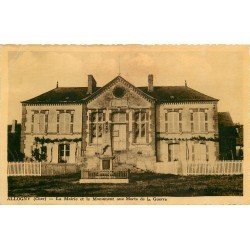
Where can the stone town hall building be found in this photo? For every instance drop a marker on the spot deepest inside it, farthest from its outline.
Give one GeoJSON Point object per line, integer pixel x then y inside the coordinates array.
{"type": "Point", "coordinates": [115, 124]}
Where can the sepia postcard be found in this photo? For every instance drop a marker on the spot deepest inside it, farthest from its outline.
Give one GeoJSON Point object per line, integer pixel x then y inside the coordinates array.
{"type": "Point", "coordinates": [124, 124]}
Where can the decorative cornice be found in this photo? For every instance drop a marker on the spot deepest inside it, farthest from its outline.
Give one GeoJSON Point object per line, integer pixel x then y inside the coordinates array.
{"type": "Point", "coordinates": [185, 102]}
{"type": "Point", "coordinates": [52, 104]}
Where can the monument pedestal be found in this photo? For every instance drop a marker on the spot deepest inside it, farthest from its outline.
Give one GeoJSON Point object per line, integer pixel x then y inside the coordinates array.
{"type": "Point", "coordinates": [106, 163]}
{"type": "Point", "coordinates": [106, 157]}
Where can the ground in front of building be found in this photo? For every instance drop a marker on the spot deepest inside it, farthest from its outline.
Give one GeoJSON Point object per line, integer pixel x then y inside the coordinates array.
{"type": "Point", "coordinates": [140, 184]}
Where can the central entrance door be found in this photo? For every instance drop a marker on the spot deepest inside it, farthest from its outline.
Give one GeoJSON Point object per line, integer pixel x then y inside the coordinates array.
{"type": "Point", "coordinates": [119, 137]}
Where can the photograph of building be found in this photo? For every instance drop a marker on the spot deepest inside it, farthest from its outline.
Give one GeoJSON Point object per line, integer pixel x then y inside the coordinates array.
{"type": "Point", "coordinates": [123, 121]}
{"type": "Point", "coordinates": [111, 125]}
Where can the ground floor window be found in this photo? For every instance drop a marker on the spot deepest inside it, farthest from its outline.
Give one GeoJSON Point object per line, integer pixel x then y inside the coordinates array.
{"type": "Point", "coordinates": [173, 152]}
{"type": "Point", "coordinates": [200, 152]}
{"type": "Point", "coordinates": [63, 153]}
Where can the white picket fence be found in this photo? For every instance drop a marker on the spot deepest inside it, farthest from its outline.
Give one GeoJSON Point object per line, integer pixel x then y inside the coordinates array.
{"type": "Point", "coordinates": [177, 168]}
{"type": "Point", "coordinates": [194, 168]}
{"type": "Point", "coordinates": [215, 168]}
{"type": "Point", "coordinates": [24, 169]}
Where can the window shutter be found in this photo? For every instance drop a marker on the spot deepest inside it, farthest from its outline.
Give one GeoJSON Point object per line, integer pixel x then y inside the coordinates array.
{"type": "Point", "coordinates": [207, 153]}
{"type": "Point", "coordinates": [193, 152]}
{"type": "Point", "coordinates": [36, 123]}
{"type": "Point", "coordinates": [176, 122]}
{"type": "Point", "coordinates": [147, 132]}
{"type": "Point", "coordinates": [202, 121]}
{"type": "Point", "coordinates": [41, 123]}
{"type": "Point", "coordinates": [67, 122]}
{"type": "Point", "coordinates": [196, 121]}
{"type": "Point", "coordinates": [170, 122]}
{"type": "Point", "coordinates": [62, 123]}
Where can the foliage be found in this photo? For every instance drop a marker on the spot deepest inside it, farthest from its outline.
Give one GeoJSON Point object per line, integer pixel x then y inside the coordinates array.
{"type": "Point", "coordinates": [48, 140]}
{"type": "Point", "coordinates": [199, 138]}
{"type": "Point", "coordinates": [40, 154]}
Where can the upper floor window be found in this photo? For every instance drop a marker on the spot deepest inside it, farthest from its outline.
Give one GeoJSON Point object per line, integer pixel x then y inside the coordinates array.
{"type": "Point", "coordinates": [199, 120]}
{"type": "Point", "coordinates": [97, 120]}
{"type": "Point", "coordinates": [173, 121]}
{"type": "Point", "coordinates": [65, 121]}
{"type": "Point", "coordinates": [39, 121]}
{"type": "Point", "coordinates": [140, 121]}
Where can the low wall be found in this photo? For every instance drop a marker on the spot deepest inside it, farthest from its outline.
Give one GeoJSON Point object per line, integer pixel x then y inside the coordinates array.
{"type": "Point", "coordinates": [59, 169]}
{"type": "Point", "coordinates": [169, 168]}
{"type": "Point", "coordinates": [161, 167]}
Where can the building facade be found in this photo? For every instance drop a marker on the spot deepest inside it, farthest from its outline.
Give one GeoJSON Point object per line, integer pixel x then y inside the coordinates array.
{"type": "Point", "coordinates": [114, 125]}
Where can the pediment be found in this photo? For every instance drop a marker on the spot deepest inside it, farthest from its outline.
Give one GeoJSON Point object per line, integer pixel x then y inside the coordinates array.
{"type": "Point", "coordinates": [119, 93]}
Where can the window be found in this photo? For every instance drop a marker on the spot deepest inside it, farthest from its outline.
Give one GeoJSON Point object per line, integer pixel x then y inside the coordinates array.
{"type": "Point", "coordinates": [140, 121]}
{"type": "Point", "coordinates": [199, 120]}
{"type": "Point", "coordinates": [119, 92]}
{"type": "Point", "coordinates": [65, 121]}
{"type": "Point", "coordinates": [118, 117]}
{"type": "Point", "coordinates": [39, 122]}
{"type": "Point", "coordinates": [63, 153]}
{"type": "Point", "coordinates": [97, 120]}
{"type": "Point", "coordinates": [173, 121]}
{"type": "Point", "coordinates": [173, 152]}
{"type": "Point", "coordinates": [200, 152]}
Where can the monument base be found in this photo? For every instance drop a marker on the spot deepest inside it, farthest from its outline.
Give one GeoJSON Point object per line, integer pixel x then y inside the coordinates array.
{"type": "Point", "coordinates": [103, 181]}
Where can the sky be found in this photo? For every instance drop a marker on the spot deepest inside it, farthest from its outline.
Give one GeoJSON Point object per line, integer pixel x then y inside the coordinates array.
{"type": "Point", "coordinates": [213, 70]}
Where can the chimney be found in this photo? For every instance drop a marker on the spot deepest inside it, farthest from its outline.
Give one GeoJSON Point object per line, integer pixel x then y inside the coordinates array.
{"type": "Point", "coordinates": [13, 126]}
{"type": "Point", "coordinates": [150, 83]}
{"type": "Point", "coordinates": [91, 84]}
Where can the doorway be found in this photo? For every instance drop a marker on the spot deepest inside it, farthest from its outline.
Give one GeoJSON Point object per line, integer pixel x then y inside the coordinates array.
{"type": "Point", "coordinates": [119, 137]}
